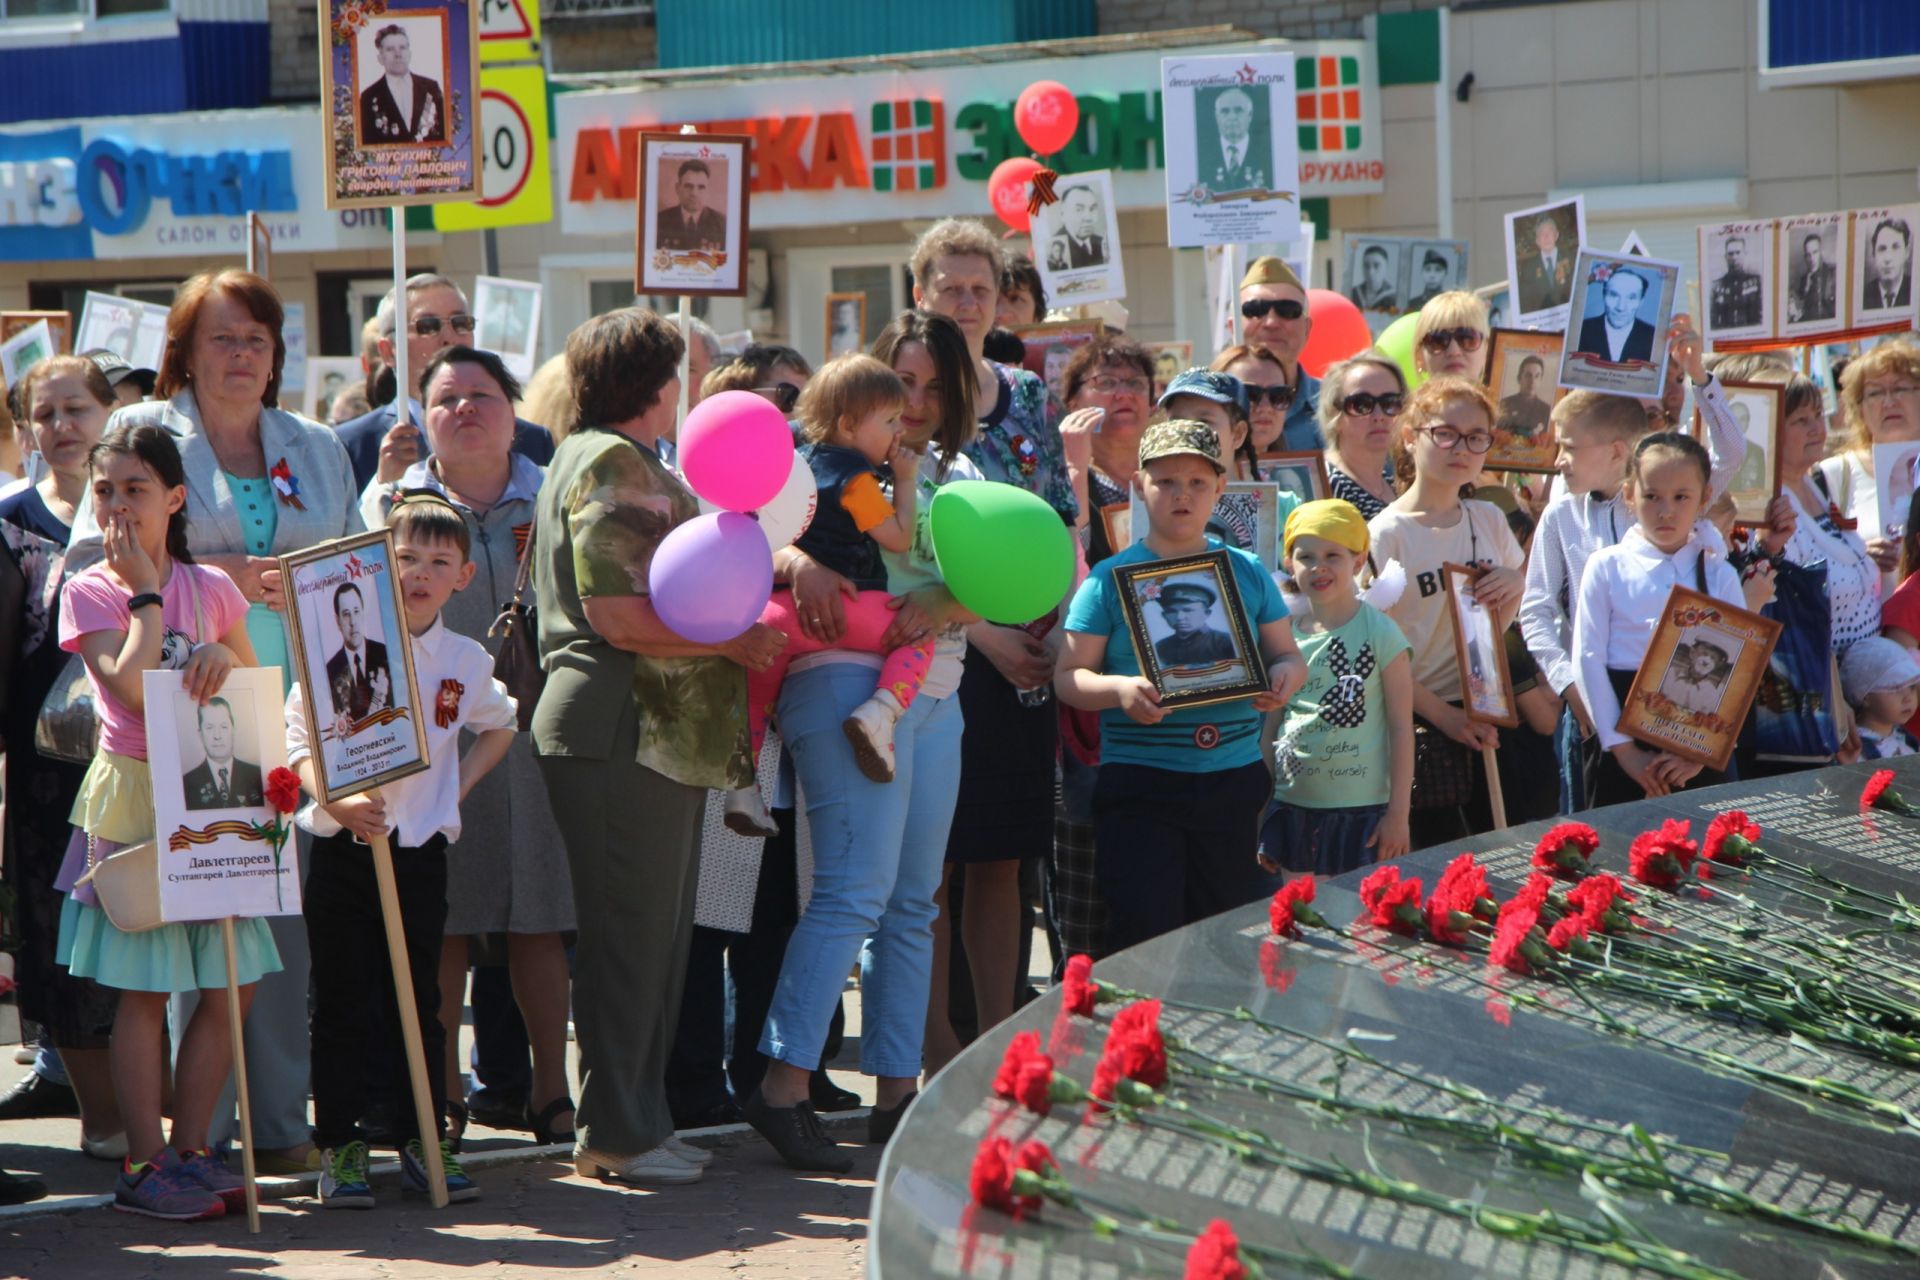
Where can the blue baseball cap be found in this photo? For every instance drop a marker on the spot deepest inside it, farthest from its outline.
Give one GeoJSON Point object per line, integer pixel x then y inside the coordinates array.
{"type": "Point", "coordinates": [1221, 388]}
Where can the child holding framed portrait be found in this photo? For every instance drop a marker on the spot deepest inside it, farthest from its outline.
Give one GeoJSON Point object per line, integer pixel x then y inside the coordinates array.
{"type": "Point", "coordinates": [1182, 644]}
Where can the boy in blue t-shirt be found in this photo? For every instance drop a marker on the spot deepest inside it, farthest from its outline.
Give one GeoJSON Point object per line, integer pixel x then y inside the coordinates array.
{"type": "Point", "coordinates": [1176, 812]}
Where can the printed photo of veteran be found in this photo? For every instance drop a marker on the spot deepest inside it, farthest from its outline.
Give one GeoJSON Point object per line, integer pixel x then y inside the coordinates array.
{"type": "Point", "coordinates": [1814, 280]}
{"type": "Point", "coordinates": [1231, 139]}
{"type": "Point", "coordinates": [1546, 277]}
{"type": "Point", "coordinates": [1736, 300]}
{"type": "Point", "coordinates": [1434, 268]}
{"type": "Point", "coordinates": [688, 223]}
{"type": "Point", "coordinates": [1888, 280]}
{"type": "Point", "coordinates": [1078, 242]}
{"type": "Point", "coordinates": [1374, 290]}
{"type": "Point", "coordinates": [400, 108]}
{"type": "Point", "coordinates": [1618, 334]}
{"type": "Point", "coordinates": [221, 781]}
{"type": "Point", "coordinates": [1187, 607]}
{"type": "Point", "coordinates": [1524, 412]}
{"type": "Point", "coordinates": [357, 675]}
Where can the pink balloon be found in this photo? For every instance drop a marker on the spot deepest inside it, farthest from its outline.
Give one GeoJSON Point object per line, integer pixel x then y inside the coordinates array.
{"type": "Point", "coordinates": [711, 577]}
{"type": "Point", "coordinates": [1008, 188]}
{"type": "Point", "coordinates": [1339, 331]}
{"type": "Point", "coordinates": [736, 450]}
{"type": "Point", "coordinates": [1046, 116]}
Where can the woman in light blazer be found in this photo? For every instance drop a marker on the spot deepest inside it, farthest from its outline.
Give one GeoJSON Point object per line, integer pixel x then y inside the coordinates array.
{"type": "Point", "coordinates": [260, 481]}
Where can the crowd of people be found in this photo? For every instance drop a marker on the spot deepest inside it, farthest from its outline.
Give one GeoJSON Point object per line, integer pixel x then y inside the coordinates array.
{"type": "Point", "coordinates": [901, 786]}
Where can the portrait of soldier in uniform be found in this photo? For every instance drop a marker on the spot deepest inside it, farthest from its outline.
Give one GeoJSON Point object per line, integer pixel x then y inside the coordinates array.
{"type": "Point", "coordinates": [1736, 301]}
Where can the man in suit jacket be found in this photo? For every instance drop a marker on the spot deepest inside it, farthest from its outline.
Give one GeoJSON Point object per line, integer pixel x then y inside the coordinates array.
{"type": "Point", "coordinates": [437, 317]}
{"type": "Point", "coordinates": [401, 108]}
{"type": "Point", "coordinates": [1076, 244]}
{"type": "Point", "coordinates": [221, 781]}
{"type": "Point", "coordinates": [1889, 281]}
{"type": "Point", "coordinates": [1814, 296]}
{"type": "Point", "coordinates": [357, 674]}
{"type": "Point", "coordinates": [690, 224]}
{"type": "Point", "coordinates": [1234, 154]}
{"type": "Point", "coordinates": [1617, 334]}
{"type": "Point", "coordinates": [1546, 279]}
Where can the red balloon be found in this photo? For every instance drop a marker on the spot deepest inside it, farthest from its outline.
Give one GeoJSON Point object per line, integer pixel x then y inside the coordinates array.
{"type": "Point", "coordinates": [1339, 330]}
{"type": "Point", "coordinates": [1046, 115]}
{"type": "Point", "coordinates": [1009, 188]}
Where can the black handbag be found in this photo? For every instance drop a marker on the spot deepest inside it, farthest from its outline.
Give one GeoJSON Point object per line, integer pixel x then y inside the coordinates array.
{"type": "Point", "coordinates": [1442, 769]}
{"type": "Point", "coordinates": [517, 664]}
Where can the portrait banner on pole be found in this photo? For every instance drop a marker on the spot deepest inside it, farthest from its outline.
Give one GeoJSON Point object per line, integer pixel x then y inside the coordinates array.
{"type": "Point", "coordinates": [399, 79]}
{"type": "Point", "coordinates": [1232, 151]}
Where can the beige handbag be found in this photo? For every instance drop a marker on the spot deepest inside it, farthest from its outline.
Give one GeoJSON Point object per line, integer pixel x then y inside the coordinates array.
{"type": "Point", "coordinates": [127, 882]}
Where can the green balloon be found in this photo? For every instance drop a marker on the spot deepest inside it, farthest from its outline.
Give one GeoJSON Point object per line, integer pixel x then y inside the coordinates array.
{"type": "Point", "coordinates": [1003, 552]}
{"type": "Point", "coordinates": [1397, 341]}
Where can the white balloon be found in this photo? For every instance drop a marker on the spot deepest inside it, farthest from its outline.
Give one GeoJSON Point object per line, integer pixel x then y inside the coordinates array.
{"type": "Point", "coordinates": [791, 511]}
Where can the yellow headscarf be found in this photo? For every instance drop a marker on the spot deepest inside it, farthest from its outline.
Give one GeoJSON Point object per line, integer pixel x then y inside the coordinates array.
{"type": "Point", "coordinates": [1335, 519]}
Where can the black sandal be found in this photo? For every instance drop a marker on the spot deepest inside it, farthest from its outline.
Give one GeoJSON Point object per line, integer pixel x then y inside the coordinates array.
{"type": "Point", "coordinates": [542, 1125]}
{"type": "Point", "coordinates": [456, 1113]}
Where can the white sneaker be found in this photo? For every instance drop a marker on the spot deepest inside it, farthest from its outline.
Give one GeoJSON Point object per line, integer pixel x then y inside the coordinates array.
{"type": "Point", "coordinates": [746, 814]}
{"type": "Point", "coordinates": [111, 1147]}
{"type": "Point", "coordinates": [870, 730]}
{"type": "Point", "coordinates": [699, 1157]}
{"type": "Point", "coordinates": [658, 1167]}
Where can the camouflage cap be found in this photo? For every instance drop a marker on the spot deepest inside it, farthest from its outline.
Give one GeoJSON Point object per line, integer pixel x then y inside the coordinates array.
{"type": "Point", "coordinates": [1179, 436]}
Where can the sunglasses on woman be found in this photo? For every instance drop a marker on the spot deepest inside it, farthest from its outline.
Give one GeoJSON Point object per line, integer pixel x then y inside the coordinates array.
{"type": "Point", "coordinates": [783, 394]}
{"type": "Point", "coordinates": [1468, 340]}
{"type": "Point", "coordinates": [1363, 404]}
{"type": "Point", "coordinates": [1279, 397]}
{"type": "Point", "coordinates": [1286, 308]}
{"type": "Point", "coordinates": [427, 326]}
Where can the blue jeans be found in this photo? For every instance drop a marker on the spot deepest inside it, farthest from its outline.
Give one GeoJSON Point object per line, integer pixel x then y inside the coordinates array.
{"type": "Point", "coordinates": [878, 851]}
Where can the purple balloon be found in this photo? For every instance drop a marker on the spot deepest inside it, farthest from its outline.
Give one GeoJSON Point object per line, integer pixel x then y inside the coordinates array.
{"type": "Point", "coordinates": [712, 577]}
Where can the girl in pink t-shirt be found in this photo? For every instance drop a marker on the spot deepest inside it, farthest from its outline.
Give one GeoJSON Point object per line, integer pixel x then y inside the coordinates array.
{"type": "Point", "coordinates": [147, 609]}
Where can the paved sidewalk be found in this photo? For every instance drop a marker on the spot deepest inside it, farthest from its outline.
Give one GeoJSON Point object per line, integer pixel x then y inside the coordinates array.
{"type": "Point", "coordinates": [750, 1217]}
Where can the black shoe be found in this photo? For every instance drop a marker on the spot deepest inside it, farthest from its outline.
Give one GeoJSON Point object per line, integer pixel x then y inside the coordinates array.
{"type": "Point", "coordinates": [726, 1111]}
{"type": "Point", "coordinates": [541, 1125]}
{"type": "Point", "coordinates": [796, 1134]}
{"type": "Point", "coordinates": [498, 1108]}
{"type": "Point", "coordinates": [15, 1189]}
{"type": "Point", "coordinates": [825, 1095]}
{"type": "Point", "coordinates": [36, 1098]}
{"type": "Point", "coordinates": [882, 1121]}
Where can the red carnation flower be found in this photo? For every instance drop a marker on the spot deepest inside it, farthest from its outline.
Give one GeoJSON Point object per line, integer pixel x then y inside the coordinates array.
{"type": "Point", "coordinates": [1393, 903]}
{"type": "Point", "coordinates": [1289, 909]}
{"type": "Point", "coordinates": [1567, 931]}
{"type": "Point", "coordinates": [1600, 900]}
{"type": "Point", "coordinates": [1662, 858]}
{"type": "Point", "coordinates": [283, 789]}
{"type": "Point", "coordinates": [1026, 1074]}
{"type": "Point", "coordinates": [1078, 990]}
{"type": "Point", "coordinates": [1566, 850]}
{"type": "Point", "coordinates": [1879, 794]}
{"type": "Point", "coordinates": [1135, 1051]}
{"type": "Point", "coordinates": [1215, 1254]}
{"type": "Point", "coordinates": [1450, 912]}
{"type": "Point", "coordinates": [1515, 945]}
{"type": "Point", "coordinates": [1732, 838]}
{"type": "Point", "coordinates": [1474, 887]}
{"type": "Point", "coordinates": [1001, 1181]}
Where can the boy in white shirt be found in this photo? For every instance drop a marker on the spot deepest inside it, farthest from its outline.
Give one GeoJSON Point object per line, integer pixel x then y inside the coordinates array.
{"type": "Point", "coordinates": [354, 1017]}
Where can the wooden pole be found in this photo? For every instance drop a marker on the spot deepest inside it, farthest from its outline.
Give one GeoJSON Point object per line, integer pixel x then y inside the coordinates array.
{"type": "Point", "coordinates": [402, 327]}
{"type": "Point", "coordinates": [409, 1021]}
{"type": "Point", "coordinates": [234, 1028]}
{"type": "Point", "coordinates": [1499, 801]}
{"type": "Point", "coordinates": [686, 362]}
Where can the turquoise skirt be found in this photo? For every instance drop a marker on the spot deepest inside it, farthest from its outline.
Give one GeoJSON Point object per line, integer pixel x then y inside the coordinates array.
{"type": "Point", "coordinates": [174, 957]}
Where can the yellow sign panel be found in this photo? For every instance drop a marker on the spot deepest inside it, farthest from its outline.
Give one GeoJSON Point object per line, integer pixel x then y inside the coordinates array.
{"type": "Point", "coordinates": [516, 180]}
{"type": "Point", "coordinates": [509, 31]}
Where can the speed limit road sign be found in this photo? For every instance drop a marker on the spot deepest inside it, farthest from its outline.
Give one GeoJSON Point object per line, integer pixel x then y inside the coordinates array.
{"type": "Point", "coordinates": [516, 181]}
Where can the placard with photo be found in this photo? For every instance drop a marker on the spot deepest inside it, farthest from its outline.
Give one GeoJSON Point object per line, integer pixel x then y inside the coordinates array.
{"type": "Point", "coordinates": [327, 377]}
{"type": "Point", "coordinates": [1190, 630]}
{"type": "Point", "coordinates": [1520, 363]}
{"type": "Point", "coordinates": [1882, 240]}
{"type": "Point", "coordinates": [353, 661]}
{"type": "Point", "coordinates": [259, 247]}
{"type": "Point", "coordinates": [209, 761]}
{"type": "Point", "coordinates": [1301, 473]}
{"type": "Point", "coordinates": [403, 84]}
{"type": "Point", "coordinates": [1893, 483]}
{"type": "Point", "coordinates": [507, 321]}
{"type": "Point", "coordinates": [1169, 360]}
{"type": "Point", "coordinates": [1232, 148]}
{"type": "Point", "coordinates": [1499, 300]}
{"type": "Point", "coordinates": [1696, 684]}
{"type": "Point", "coordinates": [1051, 345]}
{"type": "Point", "coordinates": [1076, 241]}
{"type": "Point", "coordinates": [692, 217]}
{"type": "Point", "coordinates": [1760, 408]}
{"type": "Point", "coordinates": [24, 349]}
{"type": "Point", "coordinates": [133, 330]}
{"type": "Point", "coordinates": [1433, 267]}
{"type": "Point", "coordinates": [1247, 517]}
{"type": "Point", "coordinates": [1373, 273]}
{"type": "Point", "coordinates": [845, 323]}
{"type": "Point", "coordinates": [1479, 646]}
{"type": "Point", "coordinates": [1616, 341]}
{"type": "Point", "coordinates": [1810, 277]}
{"type": "Point", "coordinates": [1542, 243]}
{"type": "Point", "coordinates": [1736, 262]}
{"type": "Point", "coordinates": [59, 324]}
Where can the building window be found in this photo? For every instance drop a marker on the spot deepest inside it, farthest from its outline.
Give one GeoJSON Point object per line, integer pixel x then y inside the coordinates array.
{"type": "Point", "coordinates": [29, 9]}
{"type": "Point", "coordinates": [121, 8]}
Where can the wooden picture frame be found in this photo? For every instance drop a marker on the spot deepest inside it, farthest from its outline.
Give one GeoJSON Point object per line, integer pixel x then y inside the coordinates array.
{"type": "Point", "coordinates": [1117, 519]}
{"type": "Point", "coordinates": [1302, 472]}
{"type": "Point", "coordinates": [1039, 339]}
{"type": "Point", "coordinates": [1225, 663]}
{"type": "Point", "coordinates": [1697, 682]}
{"type": "Point", "coordinates": [682, 254]}
{"type": "Point", "coordinates": [1479, 647]}
{"type": "Point", "coordinates": [59, 324]}
{"type": "Point", "coordinates": [1179, 352]}
{"type": "Point", "coordinates": [390, 168]}
{"type": "Point", "coordinates": [259, 247]}
{"type": "Point", "coordinates": [1758, 481]}
{"type": "Point", "coordinates": [1518, 444]}
{"type": "Point", "coordinates": [383, 720]}
{"type": "Point", "coordinates": [837, 333]}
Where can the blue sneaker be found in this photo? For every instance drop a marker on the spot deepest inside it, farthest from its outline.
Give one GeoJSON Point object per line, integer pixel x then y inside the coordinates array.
{"type": "Point", "coordinates": [343, 1177]}
{"type": "Point", "coordinates": [163, 1189]}
{"type": "Point", "coordinates": [211, 1171]}
{"type": "Point", "coordinates": [413, 1173]}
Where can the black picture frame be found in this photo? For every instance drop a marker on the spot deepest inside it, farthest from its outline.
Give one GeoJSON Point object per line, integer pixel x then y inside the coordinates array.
{"type": "Point", "coordinates": [1242, 674]}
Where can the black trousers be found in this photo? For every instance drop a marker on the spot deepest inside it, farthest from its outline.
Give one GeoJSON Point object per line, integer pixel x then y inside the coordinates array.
{"type": "Point", "coordinates": [1612, 784]}
{"type": "Point", "coordinates": [1171, 848]}
{"type": "Point", "coordinates": [354, 1009]}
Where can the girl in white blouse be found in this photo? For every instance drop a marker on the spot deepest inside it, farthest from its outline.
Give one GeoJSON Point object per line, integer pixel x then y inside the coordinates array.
{"type": "Point", "coordinates": [1622, 594]}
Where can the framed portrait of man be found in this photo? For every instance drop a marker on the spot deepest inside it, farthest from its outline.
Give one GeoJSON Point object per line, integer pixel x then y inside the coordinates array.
{"type": "Point", "coordinates": [24, 349]}
{"type": "Point", "coordinates": [327, 377]}
{"type": "Point", "coordinates": [59, 327]}
{"type": "Point", "coordinates": [1373, 273]}
{"type": "Point", "coordinates": [259, 247]}
{"type": "Point", "coordinates": [354, 664]}
{"type": "Point", "coordinates": [692, 217]}
{"type": "Point", "coordinates": [1520, 368]}
{"type": "Point", "coordinates": [507, 321]}
{"type": "Point", "coordinates": [1433, 267]}
{"type": "Point", "coordinates": [1499, 300]}
{"type": "Point", "coordinates": [210, 762]}
{"type": "Point", "coordinates": [1190, 630]}
{"type": "Point", "coordinates": [1077, 241]}
{"type": "Point", "coordinates": [1169, 359]}
{"type": "Point", "coordinates": [1616, 339]}
{"type": "Point", "coordinates": [1883, 266]}
{"type": "Point", "coordinates": [1299, 472]}
{"type": "Point", "coordinates": [846, 322]}
{"type": "Point", "coordinates": [1810, 277]}
{"type": "Point", "coordinates": [1737, 266]}
{"type": "Point", "coordinates": [1759, 408]}
{"type": "Point", "coordinates": [403, 86]}
{"type": "Point", "coordinates": [1232, 158]}
{"type": "Point", "coordinates": [1479, 646]}
{"type": "Point", "coordinates": [1050, 345]}
{"type": "Point", "coordinates": [1697, 682]}
{"type": "Point", "coordinates": [1542, 243]}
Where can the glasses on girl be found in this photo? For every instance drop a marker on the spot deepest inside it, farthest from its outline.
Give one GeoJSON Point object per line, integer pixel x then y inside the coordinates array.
{"type": "Point", "coordinates": [1468, 340]}
{"type": "Point", "coordinates": [1446, 437]}
{"type": "Point", "coordinates": [1364, 404]}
